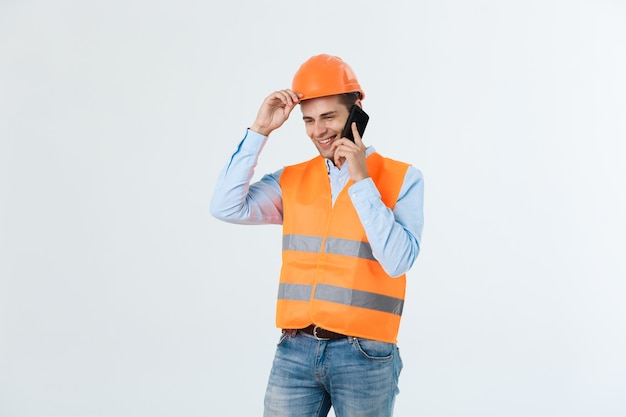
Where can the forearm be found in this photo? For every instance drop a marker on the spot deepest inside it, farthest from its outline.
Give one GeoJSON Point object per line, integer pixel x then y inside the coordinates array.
{"type": "Point", "coordinates": [394, 235]}
{"type": "Point", "coordinates": [235, 200]}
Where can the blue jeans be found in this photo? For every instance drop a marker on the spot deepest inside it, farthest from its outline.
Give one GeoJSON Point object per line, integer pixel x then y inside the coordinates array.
{"type": "Point", "coordinates": [357, 377]}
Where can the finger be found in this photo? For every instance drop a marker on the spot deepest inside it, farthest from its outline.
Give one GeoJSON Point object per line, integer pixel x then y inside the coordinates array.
{"type": "Point", "coordinates": [294, 96]}
{"type": "Point", "coordinates": [355, 133]}
{"type": "Point", "coordinates": [279, 96]}
{"type": "Point", "coordinates": [284, 97]}
{"type": "Point", "coordinates": [337, 153]}
{"type": "Point", "coordinates": [335, 146]}
{"type": "Point", "coordinates": [338, 160]}
{"type": "Point", "coordinates": [288, 97]}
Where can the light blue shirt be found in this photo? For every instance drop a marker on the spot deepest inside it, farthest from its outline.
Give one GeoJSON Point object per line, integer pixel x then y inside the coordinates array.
{"type": "Point", "coordinates": [394, 235]}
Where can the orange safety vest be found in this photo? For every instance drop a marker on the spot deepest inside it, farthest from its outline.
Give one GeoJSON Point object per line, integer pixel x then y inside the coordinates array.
{"type": "Point", "coordinates": [329, 276]}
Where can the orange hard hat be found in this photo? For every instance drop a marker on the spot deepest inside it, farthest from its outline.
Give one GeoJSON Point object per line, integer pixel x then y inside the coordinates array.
{"type": "Point", "coordinates": [325, 75]}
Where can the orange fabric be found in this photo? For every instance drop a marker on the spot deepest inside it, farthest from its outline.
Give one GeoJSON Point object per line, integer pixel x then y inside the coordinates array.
{"type": "Point", "coordinates": [308, 211]}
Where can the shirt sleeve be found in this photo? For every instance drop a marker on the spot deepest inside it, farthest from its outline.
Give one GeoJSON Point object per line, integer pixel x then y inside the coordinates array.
{"type": "Point", "coordinates": [235, 200]}
{"type": "Point", "coordinates": [394, 235]}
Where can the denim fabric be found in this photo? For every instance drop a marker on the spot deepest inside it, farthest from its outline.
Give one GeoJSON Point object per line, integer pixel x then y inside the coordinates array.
{"type": "Point", "coordinates": [357, 377]}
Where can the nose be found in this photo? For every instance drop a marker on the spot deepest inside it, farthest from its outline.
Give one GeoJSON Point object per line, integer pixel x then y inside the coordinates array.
{"type": "Point", "coordinates": [319, 128]}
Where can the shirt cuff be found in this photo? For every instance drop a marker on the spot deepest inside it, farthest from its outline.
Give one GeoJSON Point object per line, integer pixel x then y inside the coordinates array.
{"type": "Point", "coordinates": [364, 194]}
{"type": "Point", "coordinates": [252, 142]}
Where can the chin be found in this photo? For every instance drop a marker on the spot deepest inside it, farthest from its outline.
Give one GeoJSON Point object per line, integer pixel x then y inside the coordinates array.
{"type": "Point", "coordinates": [326, 154]}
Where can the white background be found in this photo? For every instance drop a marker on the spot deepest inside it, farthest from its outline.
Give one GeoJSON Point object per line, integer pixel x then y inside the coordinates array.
{"type": "Point", "coordinates": [121, 296]}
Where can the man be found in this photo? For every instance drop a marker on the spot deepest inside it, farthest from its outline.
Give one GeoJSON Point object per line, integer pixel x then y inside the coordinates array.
{"type": "Point", "coordinates": [352, 222]}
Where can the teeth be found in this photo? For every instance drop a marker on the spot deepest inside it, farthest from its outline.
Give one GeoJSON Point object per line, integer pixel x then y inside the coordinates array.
{"type": "Point", "coordinates": [325, 141]}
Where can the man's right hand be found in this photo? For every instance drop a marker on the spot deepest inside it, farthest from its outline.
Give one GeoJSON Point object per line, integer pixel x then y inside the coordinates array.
{"type": "Point", "coordinates": [275, 111]}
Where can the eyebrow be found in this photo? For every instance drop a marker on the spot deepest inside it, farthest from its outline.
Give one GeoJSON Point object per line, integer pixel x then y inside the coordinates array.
{"type": "Point", "coordinates": [329, 113]}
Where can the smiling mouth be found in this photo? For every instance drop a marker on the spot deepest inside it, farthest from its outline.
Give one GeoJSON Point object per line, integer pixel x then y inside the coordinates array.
{"type": "Point", "coordinates": [325, 141]}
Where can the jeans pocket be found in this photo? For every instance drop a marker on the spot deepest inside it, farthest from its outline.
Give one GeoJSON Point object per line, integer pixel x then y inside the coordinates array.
{"type": "Point", "coordinates": [374, 350]}
{"type": "Point", "coordinates": [283, 337]}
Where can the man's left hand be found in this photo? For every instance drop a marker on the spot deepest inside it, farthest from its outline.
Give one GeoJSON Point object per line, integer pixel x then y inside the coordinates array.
{"type": "Point", "coordinates": [354, 153]}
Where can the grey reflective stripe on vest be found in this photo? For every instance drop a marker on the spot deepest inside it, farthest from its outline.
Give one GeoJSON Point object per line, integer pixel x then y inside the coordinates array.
{"type": "Point", "coordinates": [333, 245]}
{"type": "Point", "coordinates": [340, 295]}
{"type": "Point", "coordinates": [347, 247]}
{"type": "Point", "coordinates": [302, 243]}
{"type": "Point", "coordinates": [356, 298]}
{"type": "Point", "coordinates": [296, 292]}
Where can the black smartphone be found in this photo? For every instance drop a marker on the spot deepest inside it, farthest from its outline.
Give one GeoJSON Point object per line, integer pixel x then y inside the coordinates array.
{"type": "Point", "coordinates": [360, 117]}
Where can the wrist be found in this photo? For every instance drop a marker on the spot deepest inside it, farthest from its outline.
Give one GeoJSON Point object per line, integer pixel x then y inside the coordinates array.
{"type": "Point", "coordinates": [260, 129]}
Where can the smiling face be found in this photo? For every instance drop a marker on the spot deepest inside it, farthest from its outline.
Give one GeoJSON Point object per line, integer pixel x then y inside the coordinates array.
{"type": "Point", "coordinates": [324, 118]}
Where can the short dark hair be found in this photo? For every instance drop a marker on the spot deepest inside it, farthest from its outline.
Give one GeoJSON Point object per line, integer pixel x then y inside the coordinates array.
{"type": "Point", "coordinates": [348, 99]}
